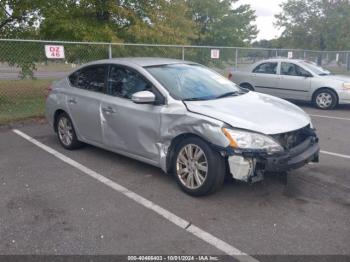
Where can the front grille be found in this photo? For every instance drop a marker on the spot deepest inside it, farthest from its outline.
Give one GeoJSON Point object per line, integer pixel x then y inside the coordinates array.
{"type": "Point", "coordinates": [294, 138]}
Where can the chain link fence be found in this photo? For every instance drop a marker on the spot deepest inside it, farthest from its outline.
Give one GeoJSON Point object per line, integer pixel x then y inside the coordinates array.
{"type": "Point", "coordinates": [26, 73]}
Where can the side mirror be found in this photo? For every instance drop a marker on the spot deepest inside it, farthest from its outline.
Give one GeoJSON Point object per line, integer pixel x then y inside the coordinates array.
{"type": "Point", "coordinates": [143, 97]}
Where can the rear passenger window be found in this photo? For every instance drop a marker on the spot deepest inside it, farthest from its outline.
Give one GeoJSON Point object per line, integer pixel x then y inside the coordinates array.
{"type": "Point", "coordinates": [90, 78]}
{"type": "Point", "coordinates": [266, 68]}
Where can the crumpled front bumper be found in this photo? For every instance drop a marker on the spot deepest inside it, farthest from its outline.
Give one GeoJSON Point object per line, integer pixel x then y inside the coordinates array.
{"type": "Point", "coordinates": [296, 157]}
{"type": "Point", "coordinates": [251, 165]}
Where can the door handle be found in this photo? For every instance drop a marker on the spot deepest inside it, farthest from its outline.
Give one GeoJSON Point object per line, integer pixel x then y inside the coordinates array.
{"type": "Point", "coordinates": [108, 110]}
{"type": "Point", "coordinates": [72, 101]}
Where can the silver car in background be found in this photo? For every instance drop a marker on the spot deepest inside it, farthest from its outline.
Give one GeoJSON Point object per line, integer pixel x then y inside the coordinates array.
{"type": "Point", "coordinates": [296, 80]}
{"type": "Point", "coordinates": [182, 117]}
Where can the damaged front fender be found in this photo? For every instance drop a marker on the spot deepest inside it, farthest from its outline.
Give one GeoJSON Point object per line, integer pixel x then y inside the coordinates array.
{"type": "Point", "coordinates": [178, 122]}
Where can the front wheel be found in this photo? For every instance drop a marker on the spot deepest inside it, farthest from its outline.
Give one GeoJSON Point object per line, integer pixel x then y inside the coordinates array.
{"type": "Point", "coordinates": [325, 99]}
{"type": "Point", "coordinates": [199, 170]}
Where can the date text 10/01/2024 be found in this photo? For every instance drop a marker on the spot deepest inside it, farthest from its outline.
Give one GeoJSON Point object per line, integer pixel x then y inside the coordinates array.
{"type": "Point", "coordinates": [173, 258]}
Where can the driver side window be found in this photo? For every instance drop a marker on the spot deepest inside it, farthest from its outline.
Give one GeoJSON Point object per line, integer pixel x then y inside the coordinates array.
{"type": "Point", "coordinates": [290, 69]}
{"type": "Point", "coordinates": [123, 82]}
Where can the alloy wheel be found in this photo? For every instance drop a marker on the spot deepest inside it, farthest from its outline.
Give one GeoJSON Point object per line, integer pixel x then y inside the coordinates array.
{"type": "Point", "coordinates": [65, 131]}
{"type": "Point", "coordinates": [191, 166]}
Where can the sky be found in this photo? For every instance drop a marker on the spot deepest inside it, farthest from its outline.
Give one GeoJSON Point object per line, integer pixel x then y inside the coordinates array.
{"type": "Point", "coordinates": [265, 11]}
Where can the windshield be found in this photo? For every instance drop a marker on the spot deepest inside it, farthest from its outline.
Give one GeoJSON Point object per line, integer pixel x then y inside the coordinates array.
{"type": "Point", "coordinates": [193, 82]}
{"type": "Point", "coordinates": [315, 68]}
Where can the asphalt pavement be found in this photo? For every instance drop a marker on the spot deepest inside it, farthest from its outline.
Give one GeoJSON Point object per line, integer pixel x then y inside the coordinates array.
{"type": "Point", "coordinates": [51, 207]}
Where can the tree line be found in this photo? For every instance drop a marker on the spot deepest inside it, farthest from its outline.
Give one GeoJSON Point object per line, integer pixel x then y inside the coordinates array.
{"type": "Point", "coordinates": [200, 22]}
{"type": "Point", "coordinates": [306, 24]}
{"type": "Point", "coordinates": [312, 24]}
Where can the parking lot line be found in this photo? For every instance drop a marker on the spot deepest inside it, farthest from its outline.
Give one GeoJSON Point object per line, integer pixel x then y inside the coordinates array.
{"type": "Point", "coordinates": [335, 154]}
{"type": "Point", "coordinates": [331, 117]}
{"type": "Point", "coordinates": [182, 223]}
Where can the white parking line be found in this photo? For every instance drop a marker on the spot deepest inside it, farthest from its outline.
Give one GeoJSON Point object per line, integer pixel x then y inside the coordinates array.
{"type": "Point", "coordinates": [331, 117]}
{"type": "Point", "coordinates": [183, 224]}
{"type": "Point", "coordinates": [335, 154]}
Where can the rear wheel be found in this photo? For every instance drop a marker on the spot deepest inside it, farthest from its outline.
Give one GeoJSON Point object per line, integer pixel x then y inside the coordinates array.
{"type": "Point", "coordinates": [199, 170]}
{"type": "Point", "coordinates": [66, 133]}
{"type": "Point", "coordinates": [247, 86]}
{"type": "Point", "coordinates": [325, 99]}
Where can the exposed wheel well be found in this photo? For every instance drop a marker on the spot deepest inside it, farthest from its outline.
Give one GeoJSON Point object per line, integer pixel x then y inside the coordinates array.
{"type": "Point", "coordinates": [171, 149]}
{"type": "Point", "coordinates": [324, 88]}
{"type": "Point", "coordinates": [55, 118]}
{"type": "Point", "coordinates": [246, 84]}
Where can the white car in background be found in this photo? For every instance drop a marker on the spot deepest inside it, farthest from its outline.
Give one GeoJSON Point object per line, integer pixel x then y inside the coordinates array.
{"type": "Point", "coordinates": [296, 80]}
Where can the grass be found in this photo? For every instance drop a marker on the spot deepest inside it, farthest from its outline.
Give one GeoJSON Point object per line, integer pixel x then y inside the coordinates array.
{"type": "Point", "coordinates": [54, 67]}
{"type": "Point", "coordinates": [42, 67]}
{"type": "Point", "coordinates": [22, 99]}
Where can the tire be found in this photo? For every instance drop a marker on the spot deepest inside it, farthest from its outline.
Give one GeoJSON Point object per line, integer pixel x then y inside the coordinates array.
{"type": "Point", "coordinates": [325, 99]}
{"type": "Point", "coordinates": [247, 86]}
{"type": "Point", "coordinates": [186, 167]}
{"type": "Point", "coordinates": [66, 132]}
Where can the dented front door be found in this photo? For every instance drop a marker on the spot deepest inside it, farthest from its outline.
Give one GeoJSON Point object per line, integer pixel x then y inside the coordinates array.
{"type": "Point", "coordinates": [126, 126]}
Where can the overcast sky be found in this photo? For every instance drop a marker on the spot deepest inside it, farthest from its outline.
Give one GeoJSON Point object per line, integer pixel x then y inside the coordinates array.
{"type": "Point", "coordinates": [265, 11]}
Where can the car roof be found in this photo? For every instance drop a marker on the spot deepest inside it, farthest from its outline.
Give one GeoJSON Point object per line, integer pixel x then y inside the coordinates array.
{"type": "Point", "coordinates": [142, 61]}
{"type": "Point", "coordinates": [281, 60]}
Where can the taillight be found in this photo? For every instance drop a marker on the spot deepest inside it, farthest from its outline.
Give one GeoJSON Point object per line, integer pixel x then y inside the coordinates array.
{"type": "Point", "coordinates": [230, 76]}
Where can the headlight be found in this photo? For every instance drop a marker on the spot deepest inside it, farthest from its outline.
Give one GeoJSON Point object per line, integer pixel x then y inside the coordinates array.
{"type": "Point", "coordinates": [247, 140]}
{"type": "Point", "coordinates": [346, 86]}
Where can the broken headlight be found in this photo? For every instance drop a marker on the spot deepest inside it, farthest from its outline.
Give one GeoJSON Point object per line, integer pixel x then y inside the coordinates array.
{"type": "Point", "coordinates": [249, 140]}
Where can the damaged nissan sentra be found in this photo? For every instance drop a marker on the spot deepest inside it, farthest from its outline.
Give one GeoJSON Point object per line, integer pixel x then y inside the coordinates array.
{"type": "Point", "coordinates": [182, 117]}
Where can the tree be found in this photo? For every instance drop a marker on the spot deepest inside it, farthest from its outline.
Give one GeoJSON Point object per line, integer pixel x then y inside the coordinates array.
{"type": "Point", "coordinates": [219, 23]}
{"type": "Point", "coordinates": [214, 22]}
{"type": "Point", "coordinates": [315, 24]}
{"type": "Point", "coordinates": [164, 22]}
{"type": "Point", "coordinates": [19, 18]}
{"type": "Point", "coordinates": [273, 43]}
{"type": "Point", "coordinates": [152, 21]}
{"type": "Point", "coordinates": [203, 22]}
{"type": "Point", "coordinates": [84, 20]}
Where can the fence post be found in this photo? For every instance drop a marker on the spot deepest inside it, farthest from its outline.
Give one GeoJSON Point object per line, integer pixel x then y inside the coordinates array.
{"type": "Point", "coordinates": [347, 61]}
{"type": "Point", "coordinates": [276, 53]}
{"type": "Point", "coordinates": [236, 59]}
{"type": "Point", "coordinates": [304, 55]}
{"type": "Point", "coordinates": [110, 51]}
{"type": "Point", "coordinates": [183, 52]}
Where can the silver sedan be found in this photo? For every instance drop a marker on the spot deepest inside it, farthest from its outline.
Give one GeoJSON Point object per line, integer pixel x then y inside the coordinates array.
{"type": "Point", "coordinates": [296, 80]}
{"type": "Point", "coordinates": [182, 117]}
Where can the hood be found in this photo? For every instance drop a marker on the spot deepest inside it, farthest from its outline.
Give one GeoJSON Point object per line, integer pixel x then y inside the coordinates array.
{"type": "Point", "coordinates": [253, 111]}
{"type": "Point", "coordinates": [341, 78]}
